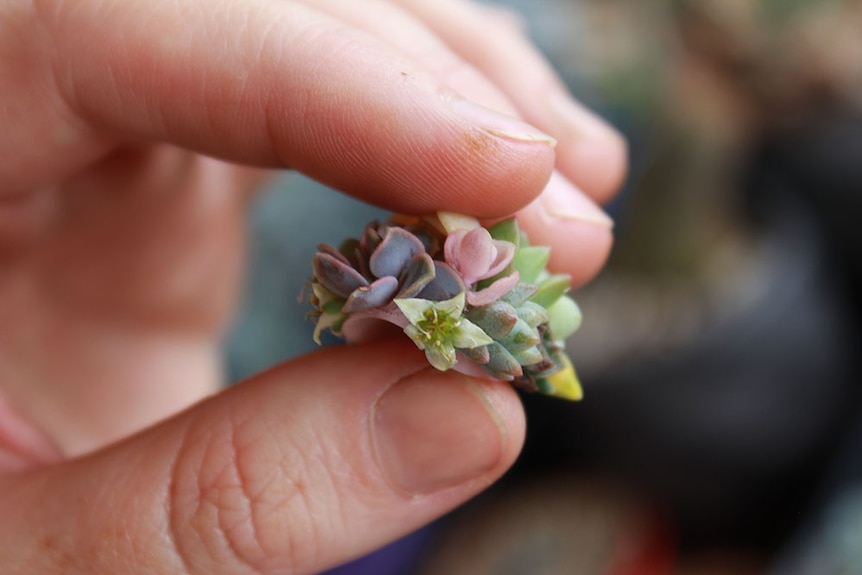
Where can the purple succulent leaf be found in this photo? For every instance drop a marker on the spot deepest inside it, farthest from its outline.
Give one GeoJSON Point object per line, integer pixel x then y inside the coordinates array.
{"type": "Point", "coordinates": [378, 294]}
{"type": "Point", "coordinates": [362, 263]}
{"type": "Point", "coordinates": [391, 257]}
{"type": "Point", "coordinates": [419, 273]}
{"type": "Point", "coordinates": [447, 283]}
{"type": "Point", "coordinates": [494, 291]}
{"type": "Point", "coordinates": [336, 275]}
{"type": "Point", "coordinates": [329, 250]}
{"type": "Point", "coordinates": [350, 249]}
{"type": "Point", "coordinates": [370, 238]}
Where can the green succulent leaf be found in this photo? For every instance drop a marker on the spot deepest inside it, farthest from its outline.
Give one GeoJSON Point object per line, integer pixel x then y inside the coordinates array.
{"type": "Point", "coordinates": [520, 294]}
{"type": "Point", "coordinates": [531, 261]}
{"type": "Point", "coordinates": [521, 337]}
{"type": "Point", "coordinates": [496, 319]}
{"type": "Point", "coordinates": [565, 317]}
{"type": "Point", "coordinates": [478, 355]}
{"type": "Point", "coordinates": [552, 289]}
{"type": "Point", "coordinates": [507, 231]}
{"type": "Point", "coordinates": [534, 314]}
{"type": "Point", "coordinates": [501, 363]}
{"type": "Point", "coordinates": [530, 356]}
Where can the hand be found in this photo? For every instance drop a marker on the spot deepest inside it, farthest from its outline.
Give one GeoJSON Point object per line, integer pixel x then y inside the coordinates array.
{"type": "Point", "coordinates": [125, 126]}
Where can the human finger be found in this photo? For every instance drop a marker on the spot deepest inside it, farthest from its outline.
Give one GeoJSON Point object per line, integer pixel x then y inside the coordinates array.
{"type": "Point", "coordinates": [564, 217]}
{"type": "Point", "coordinates": [303, 467]}
{"type": "Point", "coordinates": [590, 152]}
{"type": "Point", "coordinates": [277, 83]}
{"type": "Point", "coordinates": [579, 234]}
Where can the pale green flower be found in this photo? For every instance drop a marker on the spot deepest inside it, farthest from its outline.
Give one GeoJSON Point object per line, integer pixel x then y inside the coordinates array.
{"type": "Point", "coordinates": [438, 328]}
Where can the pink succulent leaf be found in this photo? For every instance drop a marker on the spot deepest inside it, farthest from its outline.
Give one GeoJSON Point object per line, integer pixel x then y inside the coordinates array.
{"type": "Point", "coordinates": [419, 273]}
{"type": "Point", "coordinates": [378, 294]}
{"type": "Point", "coordinates": [472, 253]}
{"type": "Point", "coordinates": [336, 275]}
{"type": "Point", "coordinates": [447, 283]}
{"type": "Point", "coordinates": [494, 291]}
{"type": "Point", "coordinates": [394, 252]}
{"type": "Point", "coordinates": [452, 247]}
{"type": "Point", "coordinates": [505, 253]}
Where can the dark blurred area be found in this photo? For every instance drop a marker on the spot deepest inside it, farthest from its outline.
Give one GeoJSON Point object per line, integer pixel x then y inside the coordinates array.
{"type": "Point", "coordinates": [721, 430]}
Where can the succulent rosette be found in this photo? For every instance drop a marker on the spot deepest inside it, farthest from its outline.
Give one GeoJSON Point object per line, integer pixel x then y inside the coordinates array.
{"type": "Point", "coordinates": [476, 300]}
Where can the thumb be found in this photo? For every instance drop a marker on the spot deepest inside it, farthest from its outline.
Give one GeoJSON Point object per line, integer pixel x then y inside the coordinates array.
{"type": "Point", "coordinates": [299, 469]}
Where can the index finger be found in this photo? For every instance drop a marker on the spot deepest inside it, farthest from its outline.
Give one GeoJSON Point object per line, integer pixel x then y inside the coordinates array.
{"type": "Point", "coordinates": [275, 83]}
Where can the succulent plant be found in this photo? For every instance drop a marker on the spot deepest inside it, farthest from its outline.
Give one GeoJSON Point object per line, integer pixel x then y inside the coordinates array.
{"type": "Point", "coordinates": [475, 300]}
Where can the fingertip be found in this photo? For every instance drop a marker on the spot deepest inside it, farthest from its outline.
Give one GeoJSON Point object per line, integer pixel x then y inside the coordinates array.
{"type": "Point", "coordinates": [592, 153]}
{"type": "Point", "coordinates": [578, 232]}
{"type": "Point", "coordinates": [597, 164]}
{"type": "Point", "coordinates": [455, 155]}
{"type": "Point", "coordinates": [509, 410]}
{"type": "Point", "coordinates": [585, 252]}
{"type": "Point", "coordinates": [437, 433]}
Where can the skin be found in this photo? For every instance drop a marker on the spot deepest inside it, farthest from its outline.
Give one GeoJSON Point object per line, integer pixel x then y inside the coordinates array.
{"type": "Point", "coordinates": [134, 133]}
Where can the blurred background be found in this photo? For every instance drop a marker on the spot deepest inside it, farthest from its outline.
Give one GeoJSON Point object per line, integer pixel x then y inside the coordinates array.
{"type": "Point", "coordinates": [721, 432]}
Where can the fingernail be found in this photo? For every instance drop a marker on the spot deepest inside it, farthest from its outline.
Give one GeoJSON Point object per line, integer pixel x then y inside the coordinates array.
{"type": "Point", "coordinates": [434, 430]}
{"type": "Point", "coordinates": [563, 201]}
{"type": "Point", "coordinates": [498, 124]}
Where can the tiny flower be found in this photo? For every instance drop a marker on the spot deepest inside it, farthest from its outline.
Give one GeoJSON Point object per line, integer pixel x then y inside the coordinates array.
{"type": "Point", "coordinates": [438, 328]}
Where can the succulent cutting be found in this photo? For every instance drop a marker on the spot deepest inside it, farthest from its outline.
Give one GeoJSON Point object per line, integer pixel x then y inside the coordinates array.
{"type": "Point", "coordinates": [476, 300]}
